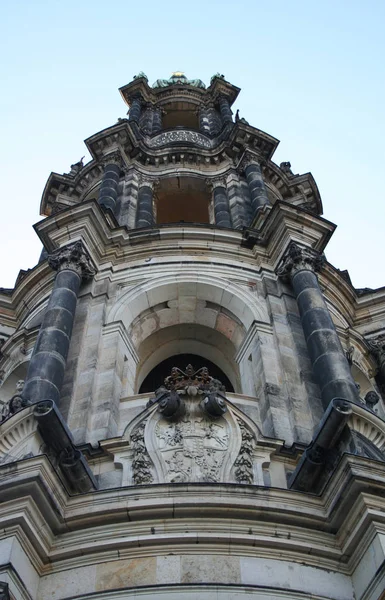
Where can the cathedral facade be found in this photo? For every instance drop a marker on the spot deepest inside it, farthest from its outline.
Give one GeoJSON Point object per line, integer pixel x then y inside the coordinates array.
{"type": "Point", "coordinates": [192, 396]}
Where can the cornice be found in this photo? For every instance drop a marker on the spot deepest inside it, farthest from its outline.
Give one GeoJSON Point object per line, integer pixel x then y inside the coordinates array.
{"type": "Point", "coordinates": [140, 87]}
{"type": "Point", "coordinates": [62, 529]}
{"type": "Point", "coordinates": [285, 223]}
{"type": "Point", "coordinates": [185, 148]}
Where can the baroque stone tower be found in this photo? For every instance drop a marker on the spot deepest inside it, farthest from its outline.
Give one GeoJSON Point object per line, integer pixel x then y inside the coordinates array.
{"type": "Point", "coordinates": [191, 398]}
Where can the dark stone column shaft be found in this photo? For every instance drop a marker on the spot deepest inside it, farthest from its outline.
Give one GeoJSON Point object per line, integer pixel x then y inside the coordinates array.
{"type": "Point", "coordinates": [109, 189]}
{"type": "Point", "coordinates": [256, 185]}
{"type": "Point", "coordinates": [145, 209]}
{"type": "Point", "coordinates": [215, 121]}
{"type": "Point", "coordinates": [330, 367]}
{"type": "Point", "coordinates": [157, 120]}
{"type": "Point", "coordinates": [46, 368]}
{"type": "Point", "coordinates": [221, 207]}
{"type": "Point", "coordinates": [224, 107]}
{"type": "Point", "coordinates": [146, 120]}
{"type": "Point", "coordinates": [204, 121]}
{"type": "Point", "coordinates": [135, 110]}
{"type": "Point", "coordinates": [237, 204]}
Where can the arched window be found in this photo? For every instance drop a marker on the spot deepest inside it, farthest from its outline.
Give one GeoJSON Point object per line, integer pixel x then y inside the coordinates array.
{"type": "Point", "coordinates": [156, 377]}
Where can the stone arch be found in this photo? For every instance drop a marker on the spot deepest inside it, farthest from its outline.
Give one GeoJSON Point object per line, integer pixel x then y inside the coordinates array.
{"type": "Point", "coordinates": [187, 313]}
{"type": "Point", "coordinates": [239, 302]}
{"type": "Point", "coordinates": [363, 381]}
{"type": "Point", "coordinates": [188, 339]}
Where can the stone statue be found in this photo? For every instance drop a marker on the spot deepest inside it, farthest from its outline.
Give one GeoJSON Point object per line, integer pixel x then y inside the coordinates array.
{"type": "Point", "coordinates": [371, 399]}
{"type": "Point", "coordinates": [216, 76]}
{"type": "Point", "coordinates": [179, 78]}
{"type": "Point", "coordinates": [140, 75]}
{"type": "Point", "coordinates": [20, 385]}
{"type": "Point", "coordinates": [76, 167]}
{"type": "Point", "coordinates": [16, 403]}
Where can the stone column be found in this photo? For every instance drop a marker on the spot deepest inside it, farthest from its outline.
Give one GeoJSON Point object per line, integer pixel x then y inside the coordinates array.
{"type": "Point", "coordinates": [135, 109]}
{"type": "Point", "coordinates": [204, 121]}
{"type": "Point", "coordinates": [146, 120]}
{"type": "Point", "coordinates": [221, 203]}
{"type": "Point", "coordinates": [48, 361]}
{"type": "Point", "coordinates": [236, 202]}
{"type": "Point", "coordinates": [330, 367]}
{"type": "Point", "coordinates": [157, 120]}
{"type": "Point", "coordinates": [145, 207]}
{"type": "Point", "coordinates": [224, 107]}
{"type": "Point", "coordinates": [108, 194]}
{"type": "Point", "coordinates": [258, 192]}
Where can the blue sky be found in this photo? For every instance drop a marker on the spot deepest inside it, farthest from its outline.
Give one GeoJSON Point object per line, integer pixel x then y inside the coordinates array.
{"type": "Point", "coordinates": [311, 73]}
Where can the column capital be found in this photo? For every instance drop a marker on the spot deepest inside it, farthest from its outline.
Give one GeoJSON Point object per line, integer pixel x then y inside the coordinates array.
{"type": "Point", "coordinates": [299, 258]}
{"type": "Point", "coordinates": [214, 182]}
{"type": "Point", "coordinates": [248, 159]}
{"type": "Point", "coordinates": [73, 257]}
{"type": "Point", "coordinates": [377, 348]}
{"type": "Point", "coordinates": [148, 181]}
{"type": "Point", "coordinates": [113, 158]}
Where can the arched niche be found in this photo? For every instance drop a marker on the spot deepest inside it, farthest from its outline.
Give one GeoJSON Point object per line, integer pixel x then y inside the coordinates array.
{"type": "Point", "coordinates": [185, 313]}
{"type": "Point", "coordinates": [235, 300]}
{"type": "Point", "coordinates": [362, 380]}
{"type": "Point", "coordinates": [188, 339]}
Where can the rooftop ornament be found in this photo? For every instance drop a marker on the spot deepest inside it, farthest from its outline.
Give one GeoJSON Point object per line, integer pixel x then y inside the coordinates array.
{"type": "Point", "coordinates": [140, 75]}
{"type": "Point", "coordinates": [216, 76]}
{"type": "Point", "coordinates": [179, 78]}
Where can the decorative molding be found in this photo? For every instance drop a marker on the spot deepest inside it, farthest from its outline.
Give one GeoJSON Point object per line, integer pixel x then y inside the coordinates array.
{"type": "Point", "coordinates": [368, 424]}
{"type": "Point", "coordinates": [117, 327]}
{"type": "Point", "coordinates": [200, 379]}
{"type": "Point", "coordinates": [244, 472]}
{"type": "Point", "coordinates": [250, 337]}
{"type": "Point", "coordinates": [18, 437]}
{"type": "Point", "coordinates": [377, 348]}
{"type": "Point", "coordinates": [114, 158]}
{"type": "Point", "coordinates": [215, 182]}
{"type": "Point", "coordinates": [141, 463]}
{"type": "Point", "coordinates": [73, 257]}
{"type": "Point", "coordinates": [248, 159]}
{"type": "Point", "coordinates": [178, 136]}
{"type": "Point", "coordinates": [299, 258]}
{"type": "Point", "coordinates": [147, 181]}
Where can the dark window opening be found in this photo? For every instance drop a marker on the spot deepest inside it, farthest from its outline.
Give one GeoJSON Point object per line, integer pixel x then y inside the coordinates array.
{"type": "Point", "coordinates": [180, 114]}
{"type": "Point", "coordinates": [182, 200]}
{"type": "Point", "coordinates": [157, 376]}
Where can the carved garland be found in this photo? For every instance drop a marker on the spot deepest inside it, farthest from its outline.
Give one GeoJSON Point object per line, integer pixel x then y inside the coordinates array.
{"type": "Point", "coordinates": [141, 463]}
{"type": "Point", "coordinates": [244, 462]}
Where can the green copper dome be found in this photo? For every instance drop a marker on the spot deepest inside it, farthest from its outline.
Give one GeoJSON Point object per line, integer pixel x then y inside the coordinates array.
{"type": "Point", "coordinates": [179, 78]}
